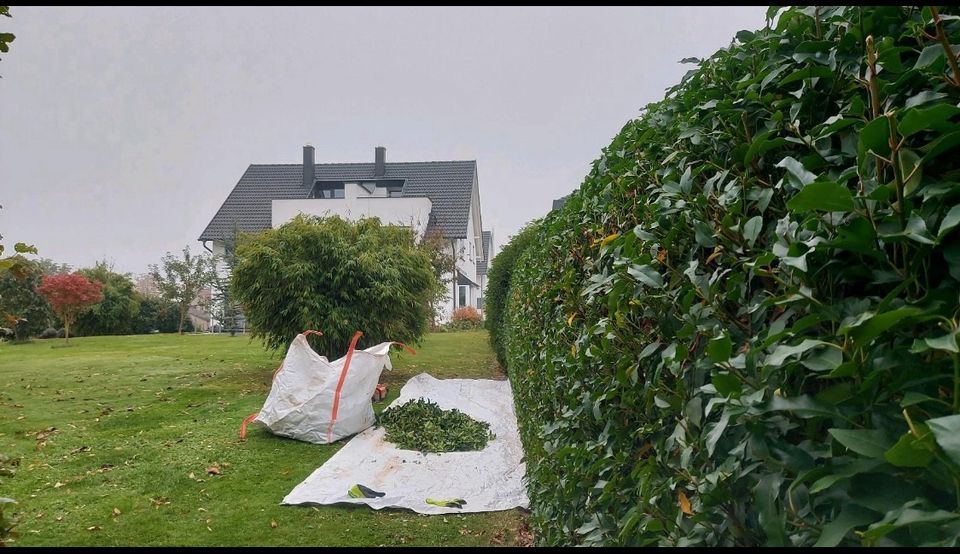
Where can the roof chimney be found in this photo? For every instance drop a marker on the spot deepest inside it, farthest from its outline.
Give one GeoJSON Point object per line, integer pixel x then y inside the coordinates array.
{"type": "Point", "coordinates": [380, 161]}
{"type": "Point", "coordinates": [309, 171]}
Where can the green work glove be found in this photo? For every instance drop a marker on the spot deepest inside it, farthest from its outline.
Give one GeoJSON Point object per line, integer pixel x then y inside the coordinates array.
{"type": "Point", "coordinates": [359, 491]}
{"type": "Point", "coordinates": [449, 503]}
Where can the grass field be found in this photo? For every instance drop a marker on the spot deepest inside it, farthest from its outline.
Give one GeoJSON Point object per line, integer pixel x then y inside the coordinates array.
{"type": "Point", "coordinates": [116, 434]}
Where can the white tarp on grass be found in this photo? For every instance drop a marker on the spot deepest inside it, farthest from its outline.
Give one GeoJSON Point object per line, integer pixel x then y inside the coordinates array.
{"type": "Point", "coordinates": [489, 480]}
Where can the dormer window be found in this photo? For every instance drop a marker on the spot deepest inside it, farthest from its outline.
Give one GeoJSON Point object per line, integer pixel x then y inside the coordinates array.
{"type": "Point", "coordinates": [327, 190]}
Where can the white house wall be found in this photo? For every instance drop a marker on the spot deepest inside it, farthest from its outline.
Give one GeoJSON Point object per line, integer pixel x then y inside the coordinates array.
{"type": "Point", "coordinates": [409, 212]}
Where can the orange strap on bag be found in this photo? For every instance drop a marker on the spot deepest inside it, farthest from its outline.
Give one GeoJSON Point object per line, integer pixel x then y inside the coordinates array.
{"type": "Point", "coordinates": [407, 348]}
{"type": "Point", "coordinates": [343, 377]}
{"type": "Point", "coordinates": [251, 417]}
{"type": "Point", "coordinates": [243, 426]}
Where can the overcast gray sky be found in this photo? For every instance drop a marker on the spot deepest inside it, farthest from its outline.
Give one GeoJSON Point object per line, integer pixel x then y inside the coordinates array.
{"type": "Point", "coordinates": [122, 130]}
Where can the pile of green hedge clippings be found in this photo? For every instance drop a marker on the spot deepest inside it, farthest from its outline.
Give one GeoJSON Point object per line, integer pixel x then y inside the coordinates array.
{"type": "Point", "coordinates": [422, 425]}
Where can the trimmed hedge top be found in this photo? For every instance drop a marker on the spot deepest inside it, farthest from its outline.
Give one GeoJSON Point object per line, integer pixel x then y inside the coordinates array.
{"type": "Point", "coordinates": [743, 328]}
{"type": "Point", "coordinates": [498, 286]}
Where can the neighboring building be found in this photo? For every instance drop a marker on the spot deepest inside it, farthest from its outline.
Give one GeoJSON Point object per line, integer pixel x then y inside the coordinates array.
{"type": "Point", "coordinates": [559, 202]}
{"type": "Point", "coordinates": [441, 196]}
{"type": "Point", "coordinates": [483, 267]}
{"type": "Point", "coordinates": [199, 312]}
{"type": "Point", "coordinates": [145, 286]}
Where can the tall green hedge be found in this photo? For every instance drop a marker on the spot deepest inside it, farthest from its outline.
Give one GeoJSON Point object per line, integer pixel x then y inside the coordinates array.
{"type": "Point", "coordinates": [498, 285]}
{"type": "Point", "coordinates": [743, 328]}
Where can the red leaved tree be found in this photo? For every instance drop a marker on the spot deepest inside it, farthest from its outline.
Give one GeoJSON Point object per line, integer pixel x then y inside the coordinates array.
{"type": "Point", "coordinates": [70, 294]}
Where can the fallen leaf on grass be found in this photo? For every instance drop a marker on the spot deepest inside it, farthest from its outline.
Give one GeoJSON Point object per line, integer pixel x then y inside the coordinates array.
{"type": "Point", "coordinates": [524, 534]}
{"type": "Point", "coordinates": [116, 512]}
{"type": "Point", "coordinates": [58, 485]}
{"type": "Point", "coordinates": [213, 470]}
{"type": "Point", "coordinates": [93, 528]}
{"type": "Point", "coordinates": [273, 524]}
{"type": "Point", "coordinates": [40, 435]}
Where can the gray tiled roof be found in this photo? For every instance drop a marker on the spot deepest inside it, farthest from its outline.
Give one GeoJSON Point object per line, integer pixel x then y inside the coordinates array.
{"type": "Point", "coordinates": [559, 202]}
{"type": "Point", "coordinates": [448, 185]}
{"type": "Point", "coordinates": [482, 264]}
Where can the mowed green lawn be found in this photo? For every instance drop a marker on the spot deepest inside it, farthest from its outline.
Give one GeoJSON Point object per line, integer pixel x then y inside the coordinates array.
{"type": "Point", "coordinates": [116, 435]}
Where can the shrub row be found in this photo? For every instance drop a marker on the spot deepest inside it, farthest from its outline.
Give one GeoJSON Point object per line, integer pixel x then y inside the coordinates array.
{"type": "Point", "coordinates": [498, 285]}
{"type": "Point", "coordinates": [743, 328]}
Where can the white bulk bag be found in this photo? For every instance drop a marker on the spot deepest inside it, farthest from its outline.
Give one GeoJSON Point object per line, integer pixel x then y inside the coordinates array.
{"type": "Point", "coordinates": [315, 400]}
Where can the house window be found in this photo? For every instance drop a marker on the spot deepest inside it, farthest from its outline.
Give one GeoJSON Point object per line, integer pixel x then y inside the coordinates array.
{"type": "Point", "coordinates": [462, 296]}
{"type": "Point", "coordinates": [327, 190]}
{"type": "Point", "coordinates": [395, 191]}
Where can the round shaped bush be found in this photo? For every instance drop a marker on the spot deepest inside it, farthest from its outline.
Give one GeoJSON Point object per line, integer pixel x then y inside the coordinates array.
{"type": "Point", "coordinates": [335, 276]}
{"type": "Point", "coordinates": [49, 333]}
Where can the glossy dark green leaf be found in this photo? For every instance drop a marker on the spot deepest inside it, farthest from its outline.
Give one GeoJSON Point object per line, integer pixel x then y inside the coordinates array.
{"type": "Point", "coordinates": [704, 235]}
{"type": "Point", "coordinates": [872, 443]}
{"type": "Point", "coordinates": [912, 451]}
{"type": "Point", "coordinates": [946, 431]}
{"type": "Point", "coordinates": [929, 55]}
{"type": "Point", "coordinates": [716, 432]}
{"type": "Point", "coordinates": [944, 144]}
{"type": "Point", "coordinates": [947, 343]}
{"type": "Point", "coordinates": [807, 73]}
{"type": "Point", "coordinates": [646, 275]}
{"type": "Point", "coordinates": [772, 520]}
{"type": "Point", "coordinates": [951, 255]}
{"type": "Point", "coordinates": [752, 228]}
{"type": "Point", "coordinates": [874, 138]}
{"type": "Point", "coordinates": [796, 170]}
{"type": "Point", "coordinates": [911, 169]}
{"type": "Point", "coordinates": [923, 97]}
{"type": "Point", "coordinates": [840, 472]}
{"type": "Point", "coordinates": [851, 517]}
{"type": "Point", "coordinates": [727, 384]}
{"type": "Point", "coordinates": [857, 236]}
{"type": "Point", "coordinates": [911, 398]}
{"type": "Point", "coordinates": [803, 406]}
{"type": "Point", "coordinates": [719, 348]}
{"type": "Point", "coordinates": [951, 220]}
{"type": "Point", "coordinates": [784, 351]}
{"type": "Point", "coordinates": [935, 118]}
{"type": "Point", "coordinates": [822, 196]}
{"type": "Point", "coordinates": [869, 325]}
{"type": "Point", "coordinates": [905, 516]}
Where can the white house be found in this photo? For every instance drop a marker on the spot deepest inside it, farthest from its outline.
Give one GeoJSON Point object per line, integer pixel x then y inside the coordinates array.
{"type": "Point", "coordinates": [441, 196]}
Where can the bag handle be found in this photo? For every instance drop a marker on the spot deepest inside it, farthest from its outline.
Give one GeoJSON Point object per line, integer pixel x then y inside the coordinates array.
{"type": "Point", "coordinates": [407, 348]}
{"type": "Point", "coordinates": [243, 426]}
{"type": "Point", "coordinates": [343, 377]}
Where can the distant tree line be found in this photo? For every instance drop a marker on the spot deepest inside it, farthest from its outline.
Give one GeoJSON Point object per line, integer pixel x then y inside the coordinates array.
{"type": "Point", "coordinates": [121, 308]}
